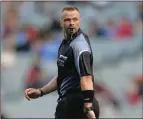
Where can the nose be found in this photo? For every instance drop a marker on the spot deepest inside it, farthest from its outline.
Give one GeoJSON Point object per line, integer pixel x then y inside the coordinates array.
{"type": "Point", "coordinates": [71, 23]}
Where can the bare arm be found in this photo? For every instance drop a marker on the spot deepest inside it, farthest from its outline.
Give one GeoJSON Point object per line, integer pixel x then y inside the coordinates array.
{"type": "Point", "coordinates": [51, 86]}
{"type": "Point", "coordinates": [87, 84]}
{"type": "Point", "coordinates": [84, 68]}
{"type": "Point", "coordinates": [32, 93]}
{"type": "Point", "coordinates": [84, 62]}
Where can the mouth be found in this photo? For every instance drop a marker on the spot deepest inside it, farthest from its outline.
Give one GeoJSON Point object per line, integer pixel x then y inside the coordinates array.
{"type": "Point", "coordinates": [71, 30]}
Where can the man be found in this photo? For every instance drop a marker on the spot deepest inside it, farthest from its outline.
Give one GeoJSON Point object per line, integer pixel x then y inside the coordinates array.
{"type": "Point", "coordinates": [74, 80]}
{"type": "Point", "coordinates": [135, 90]}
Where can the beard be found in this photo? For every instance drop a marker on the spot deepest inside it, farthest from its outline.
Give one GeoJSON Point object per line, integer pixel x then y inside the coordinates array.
{"type": "Point", "coordinates": [70, 31]}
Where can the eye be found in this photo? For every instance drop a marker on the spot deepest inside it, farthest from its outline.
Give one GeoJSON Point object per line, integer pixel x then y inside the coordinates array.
{"type": "Point", "coordinates": [75, 19]}
{"type": "Point", "coordinates": [66, 19]}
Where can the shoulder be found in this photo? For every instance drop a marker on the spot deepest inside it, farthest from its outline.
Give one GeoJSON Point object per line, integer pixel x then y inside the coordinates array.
{"type": "Point", "coordinates": [80, 43]}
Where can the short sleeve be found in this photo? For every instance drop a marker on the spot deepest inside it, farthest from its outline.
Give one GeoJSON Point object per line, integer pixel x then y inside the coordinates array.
{"type": "Point", "coordinates": [85, 66]}
{"type": "Point", "coordinates": [82, 56]}
{"type": "Point", "coordinates": [82, 60]}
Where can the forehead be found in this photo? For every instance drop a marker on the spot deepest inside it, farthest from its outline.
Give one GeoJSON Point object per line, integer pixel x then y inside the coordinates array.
{"type": "Point", "coordinates": [70, 14]}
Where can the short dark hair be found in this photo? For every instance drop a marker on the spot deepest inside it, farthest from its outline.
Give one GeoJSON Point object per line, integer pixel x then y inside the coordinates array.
{"type": "Point", "coordinates": [70, 8]}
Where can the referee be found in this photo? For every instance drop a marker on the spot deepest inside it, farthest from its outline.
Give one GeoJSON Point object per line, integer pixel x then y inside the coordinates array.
{"type": "Point", "coordinates": [74, 80]}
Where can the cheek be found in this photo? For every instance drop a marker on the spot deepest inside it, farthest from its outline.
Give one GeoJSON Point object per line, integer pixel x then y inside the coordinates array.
{"type": "Point", "coordinates": [78, 24]}
{"type": "Point", "coordinates": [66, 24]}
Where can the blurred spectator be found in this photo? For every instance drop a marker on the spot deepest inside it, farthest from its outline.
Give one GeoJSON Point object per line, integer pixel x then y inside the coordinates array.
{"type": "Point", "coordinates": [95, 30]}
{"type": "Point", "coordinates": [55, 22]}
{"type": "Point", "coordinates": [34, 78]}
{"type": "Point", "coordinates": [49, 50]}
{"type": "Point", "coordinates": [9, 41]}
{"type": "Point", "coordinates": [125, 29]}
{"type": "Point", "coordinates": [45, 46]}
{"type": "Point", "coordinates": [11, 21]}
{"type": "Point", "coordinates": [45, 50]}
{"type": "Point", "coordinates": [22, 44]}
{"type": "Point", "coordinates": [25, 37]}
{"type": "Point", "coordinates": [31, 32]}
{"type": "Point", "coordinates": [13, 36]}
{"type": "Point", "coordinates": [135, 91]}
{"type": "Point", "coordinates": [110, 29]}
{"type": "Point", "coordinates": [38, 42]}
{"type": "Point", "coordinates": [55, 25]}
{"type": "Point", "coordinates": [8, 54]}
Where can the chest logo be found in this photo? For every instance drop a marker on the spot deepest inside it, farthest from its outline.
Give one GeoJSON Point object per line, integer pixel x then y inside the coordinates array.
{"type": "Point", "coordinates": [61, 60]}
{"type": "Point", "coordinates": [63, 57]}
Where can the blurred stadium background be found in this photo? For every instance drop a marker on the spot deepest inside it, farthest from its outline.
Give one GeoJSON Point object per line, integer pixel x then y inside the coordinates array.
{"type": "Point", "coordinates": [31, 35]}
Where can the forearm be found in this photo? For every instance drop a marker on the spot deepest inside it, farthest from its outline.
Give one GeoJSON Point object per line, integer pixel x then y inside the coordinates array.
{"type": "Point", "coordinates": [86, 85]}
{"type": "Point", "coordinates": [51, 86]}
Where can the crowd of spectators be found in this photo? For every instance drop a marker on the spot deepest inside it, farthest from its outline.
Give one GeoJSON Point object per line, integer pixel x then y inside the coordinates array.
{"type": "Point", "coordinates": [42, 42]}
{"type": "Point", "coordinates": [113, 30]}
{"type": "Point", "coordinates": [23, 36]}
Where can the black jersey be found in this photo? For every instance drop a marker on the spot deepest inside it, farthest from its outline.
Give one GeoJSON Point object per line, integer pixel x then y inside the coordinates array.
{"type": "Point", "coordinates": [75, 59]}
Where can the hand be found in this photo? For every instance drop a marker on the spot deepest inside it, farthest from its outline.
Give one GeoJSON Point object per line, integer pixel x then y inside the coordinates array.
{"type": "Point", "coordinates": [91, 115]}
{"type": "Point", "coordinates": [32, 93]}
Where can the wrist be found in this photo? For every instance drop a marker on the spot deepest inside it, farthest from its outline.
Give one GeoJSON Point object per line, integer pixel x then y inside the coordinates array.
{"type": "Point", "coordinates": [88, 96]}
{"type": "Point", "coordinates": [41, 92]}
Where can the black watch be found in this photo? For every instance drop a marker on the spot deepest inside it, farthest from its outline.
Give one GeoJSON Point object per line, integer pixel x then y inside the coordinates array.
{"type": "Point", "coordinates": [42, 93]}
{"type": "Point", "coordinates": [87, 109]}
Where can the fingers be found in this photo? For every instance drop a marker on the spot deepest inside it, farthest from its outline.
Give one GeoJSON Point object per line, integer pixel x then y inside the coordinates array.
{"type": "Point", "coordinates": [26, 93]}
{"type": "Point", "coordinates": [30, 92]}
{"type": "Point", "coordinates": [91, 115]}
